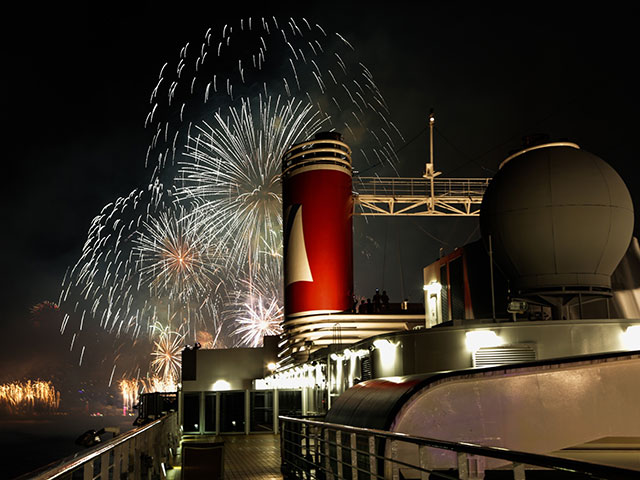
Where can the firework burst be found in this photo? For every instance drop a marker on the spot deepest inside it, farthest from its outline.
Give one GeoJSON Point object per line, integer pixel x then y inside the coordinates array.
{"type": "Point", "coordinates": [257, 309]}
{"type": "Point", "coordinates": [176, 261]}
{"type": "Point", "coordinates": [234, 175]}
{"type": "Point", "coordinates": [261, 317]}
{"type": "Point", "coordinates": [220, 118]}
{"type": "Point", "coordinates": [167, 355]}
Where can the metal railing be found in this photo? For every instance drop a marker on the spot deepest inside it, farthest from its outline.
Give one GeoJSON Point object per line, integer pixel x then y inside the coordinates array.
{"type": "Point", "coordinates": [139, 453]}
{"type": "Point", "coordinates": [420, 187]}
{"type": "Point", "coordinates": [319, 450]}
{"type": "Point", "coordinates": [418, 196]}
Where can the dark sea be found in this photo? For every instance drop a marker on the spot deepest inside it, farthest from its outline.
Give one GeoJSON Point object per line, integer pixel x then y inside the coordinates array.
{"type": "Point", "coordinates": [28, 443]}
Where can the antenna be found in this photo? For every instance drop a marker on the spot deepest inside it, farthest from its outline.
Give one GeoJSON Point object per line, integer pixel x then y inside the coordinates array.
{"type": "Point", "coordinates": [430, 172]}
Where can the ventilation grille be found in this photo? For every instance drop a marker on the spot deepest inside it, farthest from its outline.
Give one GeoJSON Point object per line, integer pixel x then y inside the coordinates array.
{"type": "Point", "coordinates": [504, 355]}
{"type": "Point", "coordinates": [365, 367]}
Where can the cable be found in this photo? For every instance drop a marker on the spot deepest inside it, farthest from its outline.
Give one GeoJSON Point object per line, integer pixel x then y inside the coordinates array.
{"type": "Point", "coordinates": [396, 152]}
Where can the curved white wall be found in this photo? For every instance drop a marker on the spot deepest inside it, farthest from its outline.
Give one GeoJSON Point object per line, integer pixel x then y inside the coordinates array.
{"type": "Point", "coordinates": [538, 409]}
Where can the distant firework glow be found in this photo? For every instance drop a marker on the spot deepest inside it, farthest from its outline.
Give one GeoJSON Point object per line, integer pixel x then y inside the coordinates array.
{"type": "Point", "coordinates": [131, 388]}
{"type": "Point", "coordinates": [129, 392]}
{"type": "Point", "coordinates": [198, 250]}
{"type": "Point", "coordinates": [32, 396]}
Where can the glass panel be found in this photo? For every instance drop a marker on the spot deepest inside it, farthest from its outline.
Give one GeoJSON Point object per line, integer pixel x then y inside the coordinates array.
{"type": "Point", "coordinates": [290, 402]}
{"type": "Point", "coordinates": [97, 466]}
{"type": "Point", "coordinates": [261, 411]}
{"type": "Point", "coordinates": [456, 280]}
{"type": "Point", "coordinates": [210, 412]}
{"type": "Point", "coordinates": [232, 412]}
{"type": "Point", "coordinates": [191, 413]}
{"type": "Point", "coordinates": [444, 293]}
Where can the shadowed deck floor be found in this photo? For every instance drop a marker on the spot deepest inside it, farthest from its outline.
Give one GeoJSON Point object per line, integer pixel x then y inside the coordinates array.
{"type": "Point", "coordinates": [245, 457]}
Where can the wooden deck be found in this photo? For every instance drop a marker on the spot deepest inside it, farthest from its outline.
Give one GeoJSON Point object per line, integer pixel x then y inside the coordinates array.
{"type": "Point", "coordinates": [245, 457]}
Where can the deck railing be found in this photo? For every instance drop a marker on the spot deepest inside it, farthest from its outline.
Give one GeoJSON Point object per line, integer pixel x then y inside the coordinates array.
{"type": "Point", "coordinates": [420, 187]}
{"type": "Point", "coordinates": [318, 450]}
{"type": "Point", "coordinates": [140, 453]}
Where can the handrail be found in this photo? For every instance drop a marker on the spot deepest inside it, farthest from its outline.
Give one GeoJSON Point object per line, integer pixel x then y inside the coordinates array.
{"type": "Point", "coordinates": [592, 470]}
{"type": "Point", "coordinates": [71, 462]}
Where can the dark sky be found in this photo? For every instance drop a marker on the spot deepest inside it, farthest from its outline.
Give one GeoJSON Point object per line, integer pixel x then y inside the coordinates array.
{"type": "Point", "coordinates": [76, 83]}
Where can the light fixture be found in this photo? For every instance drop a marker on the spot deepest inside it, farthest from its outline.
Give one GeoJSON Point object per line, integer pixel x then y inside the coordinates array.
{"type": "Point", "coordinates": [478, 339]}
{"type": "Point", "coordinates": [221, 385]}
{"type": "Point", "coordinates": [383, 343]}
{"type": "Point", "coordinates": [434, 288]}
{"type": "Point", "coordinates": [272, 366]}
{"type": "Point", "coordinates": [631, 338]}
{"type": "Point", "coordinates": [387, 351]}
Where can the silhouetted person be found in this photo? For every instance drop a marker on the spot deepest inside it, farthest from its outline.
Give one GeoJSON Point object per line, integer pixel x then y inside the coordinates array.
{"type": "Point", "coordinates": [376, 301]}
{"type": "Point", "coordinates": [384, 298]}
{"type": "Point", "coordinates": [369, 306]}
{"type": "Point", "coordinates": [362, 308]}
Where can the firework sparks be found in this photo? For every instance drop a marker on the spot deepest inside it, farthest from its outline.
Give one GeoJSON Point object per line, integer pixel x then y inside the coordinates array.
{"type": "Point", "coordinates": [261, 317]}
{"type": "Point", "coordinates": [176, 260]}
{"type": "Point", "coordinates": [235, 174]}
{"type": "Point", "coordinates": [167, 355]}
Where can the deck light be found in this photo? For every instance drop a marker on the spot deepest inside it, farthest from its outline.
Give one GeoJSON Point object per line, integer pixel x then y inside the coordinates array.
{"type": "Point", "coordinates": [631, 337]}
{"type": "Point", "coordinates": [478, 339]}
{"type": "Point", "coordinates": [221, 385]}
{"type": "Point", "coordinates": [387, 350]}
{"type": "Point", "coordinates": [434, 288]}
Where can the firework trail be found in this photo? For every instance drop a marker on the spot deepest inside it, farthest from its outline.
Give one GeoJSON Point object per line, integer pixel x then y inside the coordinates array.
{"type": "Point", "coordinates": [127, 279]}
{"type": "Point", "coordinates": [220, 118]}
{"type": "Point", "coordinates": [290, 58]}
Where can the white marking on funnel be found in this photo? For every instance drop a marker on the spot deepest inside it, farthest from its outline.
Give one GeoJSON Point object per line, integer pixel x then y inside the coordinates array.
{"type": "Point", "coordinates": [297, 266]}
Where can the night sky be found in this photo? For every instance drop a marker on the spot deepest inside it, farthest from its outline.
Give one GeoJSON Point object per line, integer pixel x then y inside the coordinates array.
{"type": "Point", "coordinates": [75, 92]}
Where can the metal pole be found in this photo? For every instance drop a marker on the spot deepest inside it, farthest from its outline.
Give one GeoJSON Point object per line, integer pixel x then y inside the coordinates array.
{"type": "Point", "coordinates": [580, 304]}
{"type": "Point", "coordinates": [493, 296]}
{"type": "Point", "coordinates": [431, 168]}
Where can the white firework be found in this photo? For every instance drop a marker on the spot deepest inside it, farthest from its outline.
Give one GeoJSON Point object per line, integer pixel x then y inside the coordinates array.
{"type": "Point", "coordinates": [262, 316]}
{"type": "Point", "coordinates": [176, 259]}
{"type": "Point", "coordinates": [167, 358]}
{"type": "Point", "coordinates": [234, 175]}
{"type": "Point", "coordinates": [260, 85]}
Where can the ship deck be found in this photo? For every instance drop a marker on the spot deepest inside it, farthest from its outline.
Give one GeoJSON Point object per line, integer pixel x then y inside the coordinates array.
{"type": "Point", "coordinates": [253, 457]}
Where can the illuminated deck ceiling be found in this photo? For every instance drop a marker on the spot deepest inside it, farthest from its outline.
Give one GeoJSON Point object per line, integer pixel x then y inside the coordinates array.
{"type": "Point", "coordinates": [427, 196]}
